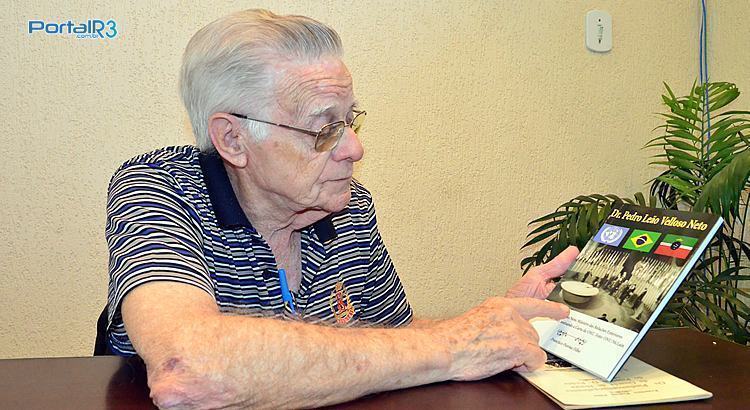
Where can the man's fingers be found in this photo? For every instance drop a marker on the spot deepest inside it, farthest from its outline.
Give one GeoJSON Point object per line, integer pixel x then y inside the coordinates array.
{"type": "Point", "coordinates": [559, 263]}
{"type": "Point", "coordinates": [529, 308]}
{"type": "Point", "coordinates": [534, 358]}
{"type": "Point", "coordinates": [528, 330]}
{"type": "Point", "coordinates": [549, 287]}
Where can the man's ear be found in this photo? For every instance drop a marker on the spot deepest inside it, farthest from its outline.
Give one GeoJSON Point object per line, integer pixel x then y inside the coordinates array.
{"type": "Point", "coordinates": [226, 134]}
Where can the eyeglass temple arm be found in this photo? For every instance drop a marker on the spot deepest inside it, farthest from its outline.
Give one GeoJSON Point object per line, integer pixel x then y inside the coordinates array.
{"type": "Point", "coordinates": [289, 127]}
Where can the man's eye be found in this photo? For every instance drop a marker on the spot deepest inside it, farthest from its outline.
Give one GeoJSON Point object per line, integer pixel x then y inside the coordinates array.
{"type": "Point", "coordinates": [324, 121]}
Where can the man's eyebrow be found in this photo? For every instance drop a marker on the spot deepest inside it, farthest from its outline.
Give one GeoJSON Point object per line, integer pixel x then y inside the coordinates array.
{"type": "Point", "coordinates": [329, 109]}
{"type": "Point", "coordinates": [322, 110]}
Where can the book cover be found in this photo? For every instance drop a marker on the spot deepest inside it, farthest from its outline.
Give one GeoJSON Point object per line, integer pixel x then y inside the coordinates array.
{"type": "Point", "coordinates": [620, 282]}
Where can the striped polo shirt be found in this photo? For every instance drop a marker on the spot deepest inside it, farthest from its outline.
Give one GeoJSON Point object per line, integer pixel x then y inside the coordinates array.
{"type": "Point", "coordinates": [172, 215]}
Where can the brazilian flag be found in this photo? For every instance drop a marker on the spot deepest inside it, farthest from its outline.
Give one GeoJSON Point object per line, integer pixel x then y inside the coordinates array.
{"type": "Point", "coordinates": [641, 241]}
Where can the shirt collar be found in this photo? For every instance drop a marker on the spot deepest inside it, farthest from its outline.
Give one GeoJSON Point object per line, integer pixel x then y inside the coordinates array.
{"type": "Point", "coordinates": [224, 202]}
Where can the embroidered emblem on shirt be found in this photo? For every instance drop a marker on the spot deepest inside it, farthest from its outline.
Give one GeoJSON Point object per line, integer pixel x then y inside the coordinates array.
{"type": "Point", "coordinates": [341, 305]}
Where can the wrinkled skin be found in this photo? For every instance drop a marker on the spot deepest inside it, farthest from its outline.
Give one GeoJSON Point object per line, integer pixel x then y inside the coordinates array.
{"type": "Point", "coordinates": [537, 283]}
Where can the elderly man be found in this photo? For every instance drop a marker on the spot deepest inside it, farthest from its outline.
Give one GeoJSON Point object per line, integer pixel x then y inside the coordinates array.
{"type": "Point", "coordinates": [211, 246]}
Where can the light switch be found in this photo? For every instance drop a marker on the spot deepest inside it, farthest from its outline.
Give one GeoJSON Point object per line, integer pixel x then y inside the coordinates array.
{"type": "Point", "coordinates": [598, 31]}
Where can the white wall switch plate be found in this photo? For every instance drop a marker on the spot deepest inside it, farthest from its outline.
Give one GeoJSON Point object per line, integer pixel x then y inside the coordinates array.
{"type": "Point", "coordinates": [598, 31]}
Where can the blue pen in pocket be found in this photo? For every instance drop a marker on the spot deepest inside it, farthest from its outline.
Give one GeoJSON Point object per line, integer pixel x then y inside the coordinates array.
{"type": "Point", "coordinates": [286, 295]}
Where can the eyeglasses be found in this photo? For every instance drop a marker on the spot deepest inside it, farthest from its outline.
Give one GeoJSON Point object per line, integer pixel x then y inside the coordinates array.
{"type": "Point", "coordinates": [328, 136]}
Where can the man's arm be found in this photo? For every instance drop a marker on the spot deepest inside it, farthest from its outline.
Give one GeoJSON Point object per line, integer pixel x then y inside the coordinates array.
{"type": "Point", "coordinates": [422, 323]}
{"type": "Point", "coordinates": [198, 357]}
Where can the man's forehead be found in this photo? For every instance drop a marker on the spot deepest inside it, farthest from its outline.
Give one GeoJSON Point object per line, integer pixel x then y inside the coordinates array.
{"type": "Point", "coordinates": [313, 88]}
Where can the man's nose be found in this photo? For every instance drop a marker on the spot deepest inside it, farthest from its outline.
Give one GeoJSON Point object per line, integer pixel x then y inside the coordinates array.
{"type": "Point", "coordinates": [349, 147]}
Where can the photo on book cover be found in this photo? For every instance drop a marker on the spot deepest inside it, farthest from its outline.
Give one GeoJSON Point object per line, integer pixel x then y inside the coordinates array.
{"type": "Point", "coordinates": [617, 286]}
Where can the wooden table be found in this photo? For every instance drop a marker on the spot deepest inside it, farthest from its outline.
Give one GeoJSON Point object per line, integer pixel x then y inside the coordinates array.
{"type": "Point", "coordinates": [111, 382]}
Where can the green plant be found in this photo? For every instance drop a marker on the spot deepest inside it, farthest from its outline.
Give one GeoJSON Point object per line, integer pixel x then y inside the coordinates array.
{"type": "Point", "coordinates": [704, 155]}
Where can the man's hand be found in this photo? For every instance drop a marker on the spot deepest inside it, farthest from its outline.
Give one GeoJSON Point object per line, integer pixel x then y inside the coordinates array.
{"type": "Point", "coordinates": [496, 336]}
{"type": "Point", "coordinates": [537, 283]}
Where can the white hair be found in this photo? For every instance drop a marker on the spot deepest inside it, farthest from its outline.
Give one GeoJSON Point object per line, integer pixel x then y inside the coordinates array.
{"type": "Point", "coordinates": [226, 65]}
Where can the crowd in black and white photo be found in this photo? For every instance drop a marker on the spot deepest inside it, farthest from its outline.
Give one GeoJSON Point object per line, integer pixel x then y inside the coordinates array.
{"type": "Point", "coordinates": [630, 284]}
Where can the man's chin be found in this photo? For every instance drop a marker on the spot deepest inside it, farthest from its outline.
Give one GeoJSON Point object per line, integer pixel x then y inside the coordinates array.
{"type": "Point", "coordinates": [339, 203]}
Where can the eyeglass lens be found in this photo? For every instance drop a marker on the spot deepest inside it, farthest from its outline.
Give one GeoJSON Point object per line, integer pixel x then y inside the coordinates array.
{"type": "Point", "coordinates": [329, 136]}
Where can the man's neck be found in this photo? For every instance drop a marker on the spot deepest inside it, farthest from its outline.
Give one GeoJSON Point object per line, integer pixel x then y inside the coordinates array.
{"type": "Point", "coordinates": [266, 211]}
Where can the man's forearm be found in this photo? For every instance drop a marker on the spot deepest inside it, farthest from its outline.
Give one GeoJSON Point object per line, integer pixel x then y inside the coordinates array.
{"type": "Point", "coordinates": [422, 323]}
{"type": "Point", "coordinates": [198, 357]}
{"type": "Point", "coordinates": [289, 364]}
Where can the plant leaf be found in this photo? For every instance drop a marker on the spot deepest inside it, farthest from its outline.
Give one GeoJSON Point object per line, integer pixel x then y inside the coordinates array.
{"type": "Point", "coordinates": [722, 193]}
{"type": "Point", "coordinates": [553, 215]}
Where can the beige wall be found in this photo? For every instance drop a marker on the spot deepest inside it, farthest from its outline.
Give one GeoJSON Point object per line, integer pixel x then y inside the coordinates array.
{"type": "Point", "coordinates": [482, 115]}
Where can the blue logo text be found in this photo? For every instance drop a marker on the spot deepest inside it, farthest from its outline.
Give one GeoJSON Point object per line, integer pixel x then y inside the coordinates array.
{"type": "Point", "coordinates": [92, 28]}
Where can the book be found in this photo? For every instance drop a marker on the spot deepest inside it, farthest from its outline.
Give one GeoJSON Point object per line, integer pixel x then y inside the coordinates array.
{"type": "Point", "coordinates": [620, 282]}
{"type": "Point", "coordinates": [636, 383]}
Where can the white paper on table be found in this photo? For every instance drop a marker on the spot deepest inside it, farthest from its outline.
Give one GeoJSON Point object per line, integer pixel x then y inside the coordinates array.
{"type": "Point", "coordinates": [636, 383]}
